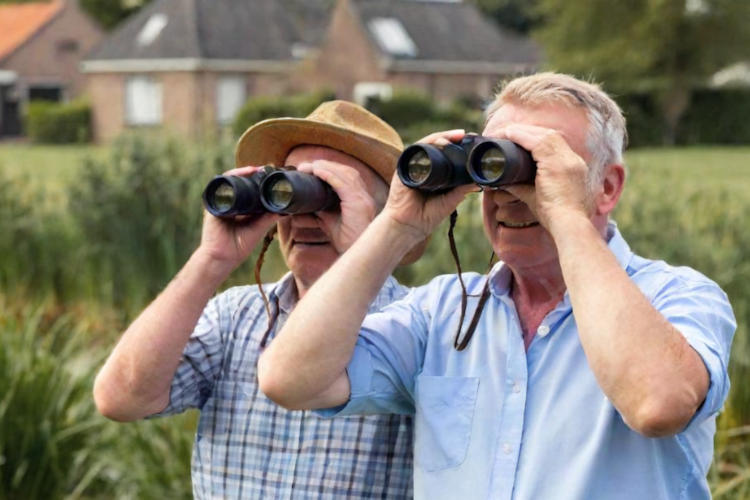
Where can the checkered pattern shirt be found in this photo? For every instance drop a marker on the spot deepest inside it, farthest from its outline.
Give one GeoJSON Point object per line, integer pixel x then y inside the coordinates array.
{"type": "Point", "coordinates": [248, 447]}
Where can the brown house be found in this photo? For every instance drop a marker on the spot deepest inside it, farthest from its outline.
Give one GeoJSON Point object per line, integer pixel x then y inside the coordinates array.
{"type": "Point", "coordinates": [188, 65]}
{"type": "Point", "coordinates": [445, 48]}
{"type": "Point", "coordinates": [41, 47]}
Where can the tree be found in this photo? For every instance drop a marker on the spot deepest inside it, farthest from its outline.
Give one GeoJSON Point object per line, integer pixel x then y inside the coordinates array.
{"type": "Point", "coordinates": [667, 47]}
{"type": "Point", "coordinates": [515, 14]}
{"type": "Point", "coordinates": [110, 12]}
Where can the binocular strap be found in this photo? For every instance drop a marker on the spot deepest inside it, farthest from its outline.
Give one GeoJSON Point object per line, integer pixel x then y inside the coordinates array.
{"type": "Point", "coordinates": [460, 343]}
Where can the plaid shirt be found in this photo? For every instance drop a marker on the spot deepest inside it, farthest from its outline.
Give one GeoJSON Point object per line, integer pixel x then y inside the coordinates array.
{"type": "Point", "coordinates": [248, 447]}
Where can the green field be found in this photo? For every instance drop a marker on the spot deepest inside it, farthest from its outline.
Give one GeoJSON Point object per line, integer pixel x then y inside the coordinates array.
{"type": "Point", "coordinates": [49, 167]}
{"type": "Point", "coordinates": [700, 166]}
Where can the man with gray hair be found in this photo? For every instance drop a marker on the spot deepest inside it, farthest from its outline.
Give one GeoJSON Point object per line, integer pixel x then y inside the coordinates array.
{"type": "Point", "coordinates": [592, 372]}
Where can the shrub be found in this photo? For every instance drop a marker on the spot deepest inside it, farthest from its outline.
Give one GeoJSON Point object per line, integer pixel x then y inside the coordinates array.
{"type": "Point", "coordinates": [414, 115]}
{"type": "Point", "coordinates": [140, 214]}
{"type": "Point", "coordinates": [35, 239]}
{"type": "Point", "coordinates": [644, 122]}
{"type": "Point", "coordinates": [263, 107]}
{"type": "Point", "coordinates": [713, 117]}
{"type": "Point", "coordinates": [138, 217]}
{"type": "Point", "coordinates": [716, 117]}
{"type": "Point", "coordinates": [147, 459]}
{"type": "Point", "coordinates": [48, 427]}
{"type": "Point", "coordinates": [405, 108]}
{"type": "Point", "coordinates": [59, 123]}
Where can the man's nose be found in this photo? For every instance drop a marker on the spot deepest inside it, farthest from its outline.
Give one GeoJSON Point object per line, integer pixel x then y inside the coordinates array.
{"type": "Point", "coordinates": [305, 221]}
{"type": "Point", "coordinates": [500, 196]}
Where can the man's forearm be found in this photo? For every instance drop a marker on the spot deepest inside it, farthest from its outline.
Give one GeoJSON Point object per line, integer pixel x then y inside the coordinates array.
{"type": "Point", "coordinates": [136, 378]}
{"type": "Point", "coordinates": [643, 364]}
{"type": "Point", "coordinates": [305, 364]}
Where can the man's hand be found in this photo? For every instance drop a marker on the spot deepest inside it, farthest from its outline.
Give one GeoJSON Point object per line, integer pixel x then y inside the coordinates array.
{"type": "Point", "coordinates": [561, 181]}
{"type": "Point", "coordinates": [419, 213]}
{"type": "Point", "coordinates": [230, 241]}
{"type": "Point", "coordinates": [358, 206]}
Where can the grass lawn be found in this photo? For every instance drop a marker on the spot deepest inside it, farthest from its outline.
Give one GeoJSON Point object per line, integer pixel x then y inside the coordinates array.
{"type": "Point", "coordinates": [711, 166]}
{"type": "Point", "coordinates": [49, 167]}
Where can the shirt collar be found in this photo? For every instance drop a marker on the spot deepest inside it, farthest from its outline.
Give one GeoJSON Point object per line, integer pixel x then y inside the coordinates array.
{"type": "Point", "coordinates": [284, 293]}
{"type": "Point", "coordinates": [500, 275]}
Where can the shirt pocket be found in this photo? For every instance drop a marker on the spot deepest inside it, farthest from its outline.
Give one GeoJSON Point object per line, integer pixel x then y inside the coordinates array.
{"type": "Point", "coordinates": [443, 421]}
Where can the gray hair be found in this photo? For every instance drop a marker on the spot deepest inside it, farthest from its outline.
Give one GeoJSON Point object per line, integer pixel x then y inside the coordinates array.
{"type": "Point", "coordinates": [607, 136]}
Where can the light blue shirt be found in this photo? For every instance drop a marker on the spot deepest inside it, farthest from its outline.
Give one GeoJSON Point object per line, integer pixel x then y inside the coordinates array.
{"type": "Point", "coordinates": [495, 421]}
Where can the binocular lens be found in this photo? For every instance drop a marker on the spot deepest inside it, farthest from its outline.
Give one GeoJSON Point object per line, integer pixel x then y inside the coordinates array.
{"type": "Point", "coordinates": [492, 164]}
{"type": "Point", "coordinates": [230, 195]}
{"type": "Point", "coordinates": [224, 197]}
{"type": "Point", "coordinates": [418, 167]}
{"type": "Point", "coordinates": [294, 192]}
{"type": "Point", "coordinates": [280, 192]}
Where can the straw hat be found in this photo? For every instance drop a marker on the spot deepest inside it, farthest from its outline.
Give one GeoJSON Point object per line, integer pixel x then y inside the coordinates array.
{"type": "Point", "coordinates": [339, 125]}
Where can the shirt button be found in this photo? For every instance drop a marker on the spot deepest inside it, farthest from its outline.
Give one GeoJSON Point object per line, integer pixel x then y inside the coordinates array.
{"type": "Point", "coordinates": [516, 387]}
{"type": "Point", "coordinates": [543, 331]}
{"type": "Point", "coordinates": [507, 449]}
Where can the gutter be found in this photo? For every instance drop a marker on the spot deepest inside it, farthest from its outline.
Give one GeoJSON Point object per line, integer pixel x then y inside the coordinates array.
{"type": "Point", "coordinates": [184, 64]}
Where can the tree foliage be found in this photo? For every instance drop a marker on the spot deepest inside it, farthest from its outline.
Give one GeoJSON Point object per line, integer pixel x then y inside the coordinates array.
{"type": "Point", "coordinates": [109, 13]}
{"type": "Point", "coordinates": [668, 47]}
{"type": "Point", "coordinates": [515, 14]}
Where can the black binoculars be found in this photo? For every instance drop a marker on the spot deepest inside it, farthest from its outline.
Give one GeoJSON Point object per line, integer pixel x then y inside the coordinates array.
{"type": "Point", "coordinates": [485, 161]}
{"type": "Point", "coordinates": [271, 189]}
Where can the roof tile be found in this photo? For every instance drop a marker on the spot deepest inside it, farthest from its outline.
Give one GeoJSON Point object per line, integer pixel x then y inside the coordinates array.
{"type": "Point", "coordinates": [19, 22]}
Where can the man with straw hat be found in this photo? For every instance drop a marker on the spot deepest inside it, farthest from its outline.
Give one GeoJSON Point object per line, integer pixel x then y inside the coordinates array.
{"type": "Point", "coordinates": [188, 350]}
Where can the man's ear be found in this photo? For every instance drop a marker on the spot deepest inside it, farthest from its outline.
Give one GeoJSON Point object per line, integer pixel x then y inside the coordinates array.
{"type": "Point", "coordinates": [612, 184]}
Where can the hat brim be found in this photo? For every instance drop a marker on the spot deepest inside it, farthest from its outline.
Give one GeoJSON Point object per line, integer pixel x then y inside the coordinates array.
{"type": "Point", "coordinates": [269, 142]}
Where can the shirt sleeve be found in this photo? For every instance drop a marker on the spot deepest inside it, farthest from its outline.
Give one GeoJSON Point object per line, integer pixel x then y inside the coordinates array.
{"type": "Point", "coordinates": [700, 310]}
{"type": "Point", "coordinates": [387, 358]}
{"type": "Point", "coordinates": [201, 361]}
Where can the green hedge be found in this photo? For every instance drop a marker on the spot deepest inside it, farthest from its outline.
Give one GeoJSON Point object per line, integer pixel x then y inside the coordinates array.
{"type": "Point", "coordinates": [414, 114]}
{"type": "Point", "coordinates": [713, 117]}
{"type": "Point", "coordinates": [263, 107]}
{"type": "Point", "coordinates": [717, 117]}
{"type": "Point", "coordinates": [59, 123]}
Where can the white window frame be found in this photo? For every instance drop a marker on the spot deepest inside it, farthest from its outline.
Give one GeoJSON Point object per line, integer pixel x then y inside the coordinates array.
{"type": "Point", "coordinates": [392, 36]}
{"type": "Point", "coordinates": [364, 90]}
{"type": "Point", "coordinates": [231, 94]}
{"type": "Point", "coordinates": [143, 100]}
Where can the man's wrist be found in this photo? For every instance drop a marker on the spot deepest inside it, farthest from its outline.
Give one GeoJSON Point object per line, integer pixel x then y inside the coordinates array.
{"type": "Point", "coordinates": [213, 271]}
{"type": "Point", "coordinates": [397, 238]}
{"type": "Point", "coordinates": [562, 223]}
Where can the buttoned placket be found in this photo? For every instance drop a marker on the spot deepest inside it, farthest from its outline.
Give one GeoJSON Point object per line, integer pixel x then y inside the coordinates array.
{"type": "Point", "coordinates": [510, 425]}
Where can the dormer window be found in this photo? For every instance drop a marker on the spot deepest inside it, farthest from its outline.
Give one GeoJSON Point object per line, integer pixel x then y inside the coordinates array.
{"type": "Point", "coordinates": [392, 37]}
{"type": "Point", "coordinates": [151, 29]}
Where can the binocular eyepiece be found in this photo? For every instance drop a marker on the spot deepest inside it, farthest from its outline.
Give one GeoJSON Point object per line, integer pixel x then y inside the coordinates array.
{"type": "Point", "coordinates": [271, 189]}
{"type": "Point", "coordinates": [487, 162]}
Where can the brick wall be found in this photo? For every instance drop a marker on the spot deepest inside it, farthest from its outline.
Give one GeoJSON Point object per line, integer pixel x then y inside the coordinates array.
{"type": "Point", "coordinates": [53, 55]}
{"type": "Point", "coordinates": [189, 100]}
{"type": "Point", "coordinates": [346, 57]}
